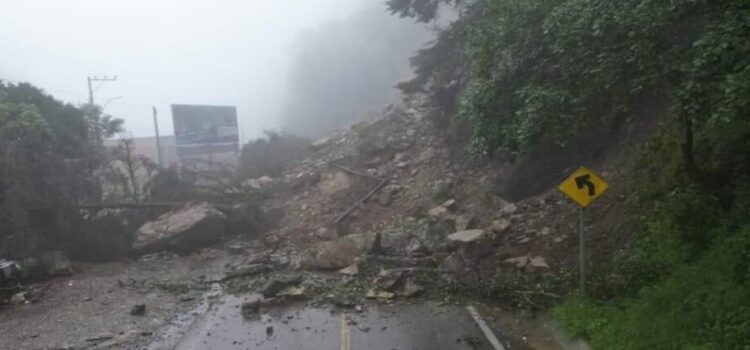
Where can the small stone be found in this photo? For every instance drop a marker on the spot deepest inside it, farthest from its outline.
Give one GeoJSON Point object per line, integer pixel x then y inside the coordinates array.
{"type": "Point", "coordinates": [386, 194]}
{"type": "Point", "coordinates": [412, 289]}
{"type": "Point", "coordinates": [520, 261]}
{"type": "Point", "coordinates": [527, 260]}
{"type": "Point", "coordinates": [251, 305]}
{"type": "Point", "coordinates": [509, 209]}
{"type": "Point", "coordinates": [18, 298]}
{"type": "Point", "coordinates": [351, 270]}
{"type": "Point", "coordinates": [467, 236]}
{"type": "Point", "coordinates": [538, 262]}
{"type": "Point", "coordinates": [438, 211]}
{"type": "Point", "coordinates": [500, 226]}
{"type": "Point", "coordinates": [545, 231]}
{"type": "Point", "coordinates": [399, 157]}
{"type": "Point", "coordinates": [449, 204]}
{"type": "Point", "coordinates": [379, 294]}
{"type": "Point", "coordinates": [138, 310]}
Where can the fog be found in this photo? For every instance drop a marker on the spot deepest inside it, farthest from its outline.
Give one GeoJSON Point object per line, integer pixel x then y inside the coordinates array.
{"type": "Point", "coordinates": [226, 52]}
{"type": "Point", "coordinates": [345, 70]}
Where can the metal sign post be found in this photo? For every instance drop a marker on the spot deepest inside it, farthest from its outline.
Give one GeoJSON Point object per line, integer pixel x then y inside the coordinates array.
{"type": "Point", "coordinates": [582, 251]}
{"type": "Point", "coordinates": [583, 187]}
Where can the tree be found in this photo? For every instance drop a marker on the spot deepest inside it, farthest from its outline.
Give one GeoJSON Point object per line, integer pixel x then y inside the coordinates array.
{"type": "Point", "coordinates": [49, 151]}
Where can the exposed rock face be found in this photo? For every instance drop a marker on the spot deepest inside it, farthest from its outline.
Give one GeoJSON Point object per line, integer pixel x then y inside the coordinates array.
{"type": "Point", "coordinates": [183, 230]}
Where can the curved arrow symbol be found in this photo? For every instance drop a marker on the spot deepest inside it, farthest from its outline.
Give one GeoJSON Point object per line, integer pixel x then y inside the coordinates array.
{"type": "Point", "coordinates": [585, 181]}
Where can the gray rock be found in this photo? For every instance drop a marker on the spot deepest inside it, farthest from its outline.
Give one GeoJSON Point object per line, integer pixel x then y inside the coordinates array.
{"type": "Point", "coordinates": [188, 228]}
{"type": "Point", "coordinates": [452, 264]}
{"type": "Point", "coordinates": [351, 270]}
{"type": "Point", "coordinates": [385, 197]}
{"type": "Point", "coordinates": [296, 293]}
{"type": "Point", "coordinates": [251, 305]}
{"type": "Point", "coordinates": [441, 189]}
{"type": "Point", "coordinates": [438, 212]}
{"type": "Point", "coordinates": [276, 285]}
{"type": "Point", "coordinates": [508, 210]}
{"type": "Point", "coordinates": [338, 253]}
{"type": "Point", "coordinates": [412, 289]}
{"type": "Point", "coordinates": [391, 280]}
{"type": "Point", "coordinates": [379, 294]}
{"type": "Point", "coordinates": [500, 226]}
{"type": "Point", "coordinates": [467, 236]}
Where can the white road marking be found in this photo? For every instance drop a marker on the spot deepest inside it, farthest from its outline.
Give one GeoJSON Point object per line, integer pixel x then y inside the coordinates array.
{"type": "Point", "coordinates": [345, 340]}
{"type": "Point", "coordinates": [485, 328]}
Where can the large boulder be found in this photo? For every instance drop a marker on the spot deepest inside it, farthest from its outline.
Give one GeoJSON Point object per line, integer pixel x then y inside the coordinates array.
{"type": "Point", "coordinates": [188, 228]}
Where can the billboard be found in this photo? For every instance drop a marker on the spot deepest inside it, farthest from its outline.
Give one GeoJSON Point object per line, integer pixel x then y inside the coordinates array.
{"type": "Point", "coordinates": [205, 129]}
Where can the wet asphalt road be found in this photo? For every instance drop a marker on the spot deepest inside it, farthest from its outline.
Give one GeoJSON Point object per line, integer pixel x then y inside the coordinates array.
{"type": "Point", "coordinates": [221, 326]}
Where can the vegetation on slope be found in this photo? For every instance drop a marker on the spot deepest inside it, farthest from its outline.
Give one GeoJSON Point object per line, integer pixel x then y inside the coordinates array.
{"type": "Point", "coordinates": [551, 69]}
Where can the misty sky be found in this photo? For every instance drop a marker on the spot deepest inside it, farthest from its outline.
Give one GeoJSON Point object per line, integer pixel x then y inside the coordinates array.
{"type": "Point", "coordinates": [224, 52]}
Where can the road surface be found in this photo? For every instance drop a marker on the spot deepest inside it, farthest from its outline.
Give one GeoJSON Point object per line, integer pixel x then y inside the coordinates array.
{"type": "Point", "coordinates": [220, 325]}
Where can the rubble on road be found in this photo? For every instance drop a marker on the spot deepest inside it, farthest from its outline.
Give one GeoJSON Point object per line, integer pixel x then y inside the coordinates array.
{"type": "Point", "coordinates": [185, 229]}
{"type": "Point", "coordinates": [278, 284]}
{"type": "Point", "coordinates": [336, 254]}
{"type": "Point", "coordinates": [251, 305]}
{"type": "Point", "coordinates": [245, 271]}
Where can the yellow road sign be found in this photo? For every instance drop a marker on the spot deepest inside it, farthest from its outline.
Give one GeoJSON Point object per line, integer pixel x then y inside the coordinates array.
{"type": "Point", "coordinates": [583, 187]}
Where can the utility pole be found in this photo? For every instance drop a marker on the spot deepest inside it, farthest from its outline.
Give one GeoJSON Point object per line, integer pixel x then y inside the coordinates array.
{"type": "Point", "coordinates": [94, 115]}
{"type": "Point", "coordinates": [158, 140]}
{"type": "Point", "coordinates": [96, 78]}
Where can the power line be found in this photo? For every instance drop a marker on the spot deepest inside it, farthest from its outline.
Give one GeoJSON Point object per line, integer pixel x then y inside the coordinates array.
{"type": "Point", "coordinates": [96, 78]}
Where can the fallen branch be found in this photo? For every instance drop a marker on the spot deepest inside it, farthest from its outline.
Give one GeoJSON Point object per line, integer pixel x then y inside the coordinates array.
{"type": "Point", "coordinates": [362, 200]}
